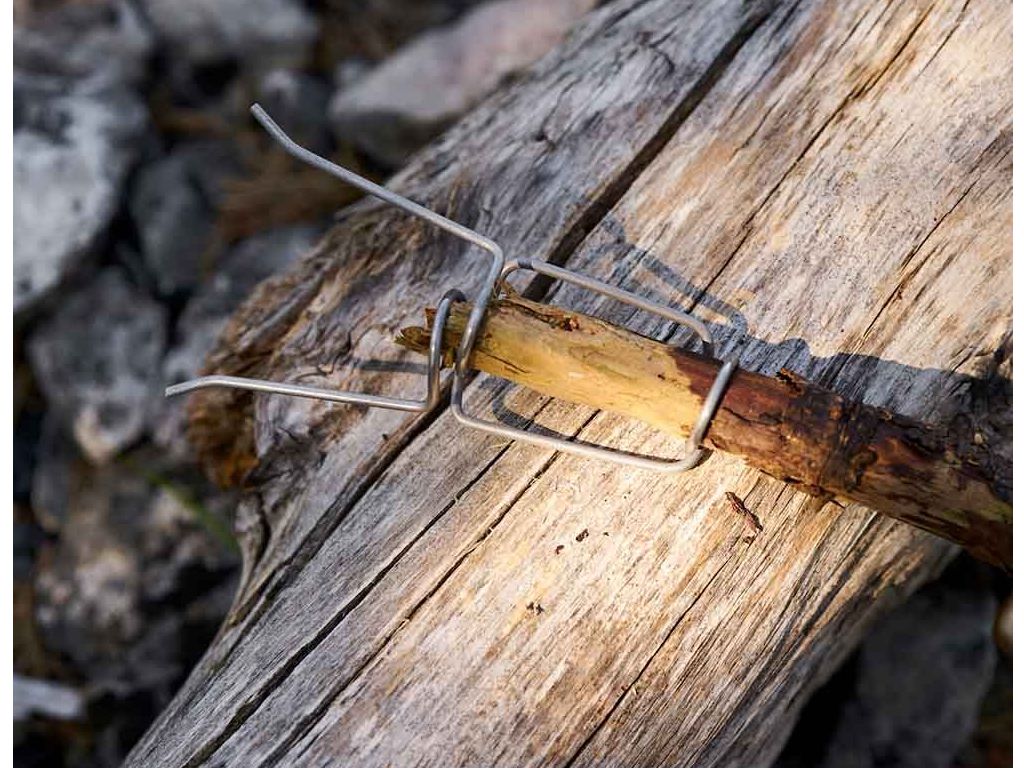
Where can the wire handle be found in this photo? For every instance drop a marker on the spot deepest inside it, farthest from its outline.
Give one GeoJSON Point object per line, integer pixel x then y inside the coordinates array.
{"type": "Point", "coordinates": [498, 268]}
{"type": "Point", "coordinates": [695, 454]}
{"type": "Point", "coordinates": [434, 363]}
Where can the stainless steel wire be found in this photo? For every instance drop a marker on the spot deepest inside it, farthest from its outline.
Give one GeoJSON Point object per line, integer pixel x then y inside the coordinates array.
{"type": "Point", "coordinates": [497, 268]}
{"type": "Point", "coordinates": [694, 453]}
{"type": "Point", "coordinates": [476, 315]}
{"type": "Point", "coordinates": [336, 396]}
{"type": "Point", "coordinates": [376, 401]}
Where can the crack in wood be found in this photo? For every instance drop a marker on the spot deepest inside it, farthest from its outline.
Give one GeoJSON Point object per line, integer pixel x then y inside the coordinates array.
{"type": "Point", "coordinates": [639, 676]}
{"type": "Point", "coordinates": [852, 569]}
{"type": "Point", "coordinates": [586, 222]}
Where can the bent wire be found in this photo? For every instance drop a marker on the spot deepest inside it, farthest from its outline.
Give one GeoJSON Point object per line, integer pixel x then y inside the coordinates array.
{"type": "Point", "coordinates": [498, 268]}
{"type": "Point", "coordinates": [694, 453]}
{"type": "Point", "coordinates": [376, 401]}
{"type": "Point", "coordinates": [336, 396]}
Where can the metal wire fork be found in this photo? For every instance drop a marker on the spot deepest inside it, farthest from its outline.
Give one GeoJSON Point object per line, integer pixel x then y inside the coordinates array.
{"type": "Point", "coordinates": [434, 362]}
{"type": "Point", "coordinates": [498, 268]}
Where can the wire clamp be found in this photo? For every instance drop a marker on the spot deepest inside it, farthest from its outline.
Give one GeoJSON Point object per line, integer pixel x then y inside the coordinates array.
{"type": "Point", "coordinates": [498, 269]}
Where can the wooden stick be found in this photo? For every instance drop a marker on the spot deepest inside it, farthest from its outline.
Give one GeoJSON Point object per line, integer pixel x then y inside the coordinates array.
{"type": "Point", "coordinates": [785, 426]}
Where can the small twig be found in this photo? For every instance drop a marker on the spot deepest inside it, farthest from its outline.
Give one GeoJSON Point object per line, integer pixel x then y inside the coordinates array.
{"type": "Point", "coordinates": [814, 440]}
{"type": "Point", "coordinates": [750, 520]}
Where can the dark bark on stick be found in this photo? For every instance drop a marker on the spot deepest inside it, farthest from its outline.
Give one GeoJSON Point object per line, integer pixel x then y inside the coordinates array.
{"type": "Point", "coordinates": [800, 433]}
{"type": "Point", "coordinates": [824, 182]}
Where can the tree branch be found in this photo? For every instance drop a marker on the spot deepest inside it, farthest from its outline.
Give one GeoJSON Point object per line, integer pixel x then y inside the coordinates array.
{"type": "Point", "coordinates": [785, 426]}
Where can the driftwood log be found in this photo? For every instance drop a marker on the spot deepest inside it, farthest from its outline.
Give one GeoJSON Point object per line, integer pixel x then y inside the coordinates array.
{"type": "Point", "coordinates": [802, 434]}
{"type": "Point", "coordinates": [828, 184]}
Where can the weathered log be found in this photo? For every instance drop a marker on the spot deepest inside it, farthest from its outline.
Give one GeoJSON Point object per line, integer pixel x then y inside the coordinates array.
{"type": "Point", "coordinates": [797, 432]}
{"type": "Point", "coordinates": [829, 183]}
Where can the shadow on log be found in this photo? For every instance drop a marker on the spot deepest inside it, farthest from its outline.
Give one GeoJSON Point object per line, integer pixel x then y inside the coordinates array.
{"type": "Point", "coordinates": [418, 594]}
{"type": "Point", "coordinates": [941, 479]}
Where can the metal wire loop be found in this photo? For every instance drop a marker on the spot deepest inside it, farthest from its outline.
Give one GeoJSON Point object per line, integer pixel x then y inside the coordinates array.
{"type": "Point", "coordinates": [497, 268]}
{"type": "Point", "coordinates": [476, 315]}
{"type": "Point", "coordinates": [436, 351]}
{"type": "Point", "coordinates": [434, 366]}
{"type": "Point", "coordinates": [695, 454]}
{"type": "Point", "coordinates": [473, 324]}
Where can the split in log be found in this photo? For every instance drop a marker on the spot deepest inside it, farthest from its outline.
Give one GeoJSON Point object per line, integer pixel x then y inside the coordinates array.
{"type": "Point", "coordinates": [829, 183]}
{"type": "Point", "coordinates": [795, 431]}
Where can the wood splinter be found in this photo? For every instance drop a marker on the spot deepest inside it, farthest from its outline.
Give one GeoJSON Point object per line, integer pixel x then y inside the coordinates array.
{"type": "Point", "coordinates": [750, 521]}
{"type": "Point", "coordinates": [785, 426]}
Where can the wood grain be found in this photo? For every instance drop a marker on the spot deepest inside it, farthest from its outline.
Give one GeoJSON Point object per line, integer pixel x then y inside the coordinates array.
{"type": "Point", "coordinates": [808, 437]}
{"type": "Point", "coordinates": [825, 183]}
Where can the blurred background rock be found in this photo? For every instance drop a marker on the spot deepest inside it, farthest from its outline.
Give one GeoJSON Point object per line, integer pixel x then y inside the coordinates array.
{"type": "Point", "coordinates": [147, 206]}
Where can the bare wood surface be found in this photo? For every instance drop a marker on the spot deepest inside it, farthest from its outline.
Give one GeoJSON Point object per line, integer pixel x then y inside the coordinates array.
{"type": "Point", "coordinates": [930, 476]}
{"type": "Point", "coordinates": [820, 181]}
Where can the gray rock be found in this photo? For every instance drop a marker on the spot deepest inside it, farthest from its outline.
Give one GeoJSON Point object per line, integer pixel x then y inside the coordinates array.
{"type": "Point", "coordinates": [298, 102]}
{"type": "Point", "coordinates": [921, 677]}
{"type": "Point", "coordinates": [348, 72]}
{"type": "Point", "coordinates": [96, 45]}
{"type": "Point", "coordinates": [266, 33]}
{"type": "Point", "coordinates": [372, 28]}
{"type": "Point", "coordinates": [77, 130]}
{"type": "Point", "coordinates": [97, 360]}
{"type": "Point", "coordinates": [45, 698]}
{"type": "Point", "coordinates": [133, 559]}
{"type": "Point", "coordinates": [54, 472]}
{"type": "Point", "coordinates": [27, 540]}
{"type": "Point", "coordinates": [247, 264]}
{"type": "Point", "coordinates": [427, 84]}
{"type": "Point", "coordinates": [172, 204]}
